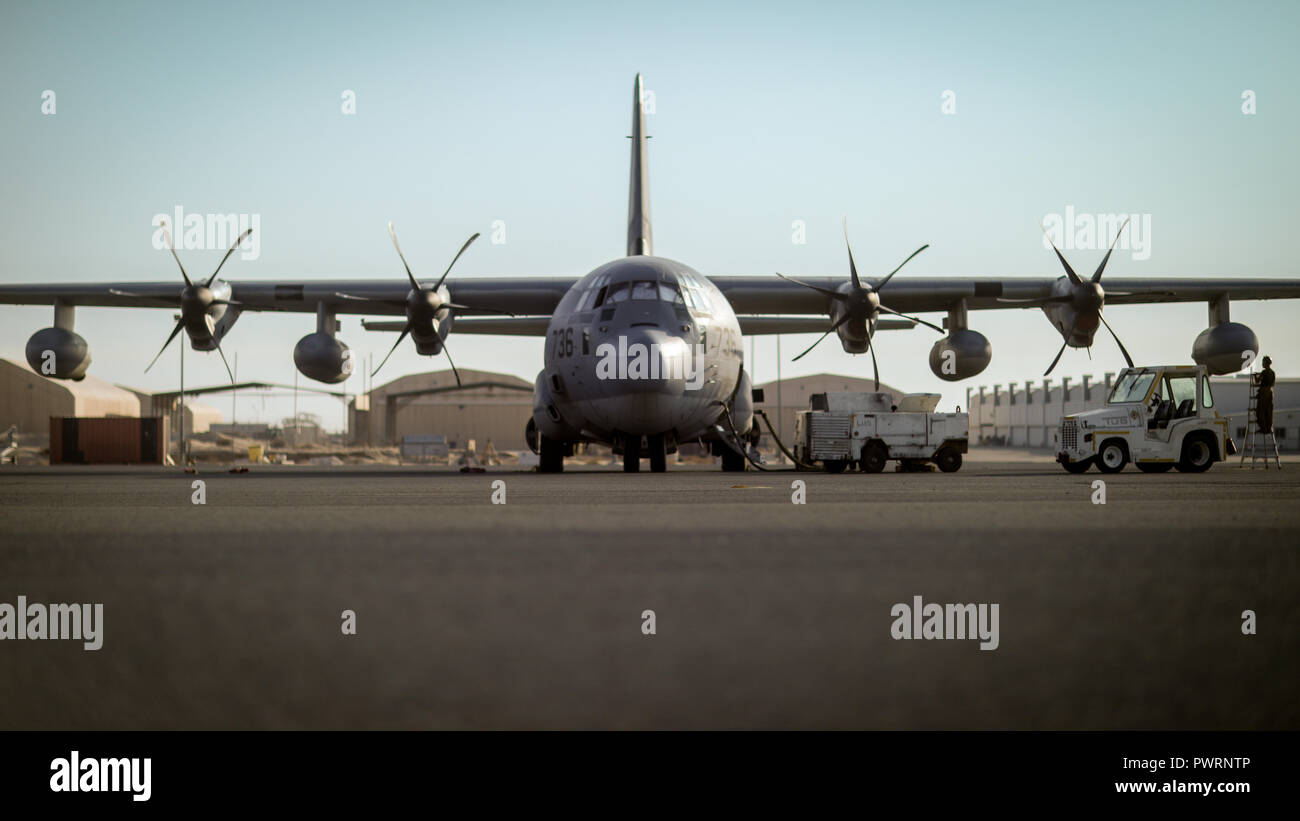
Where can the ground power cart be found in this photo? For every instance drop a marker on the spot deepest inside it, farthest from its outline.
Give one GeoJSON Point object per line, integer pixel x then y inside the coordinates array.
{"type": "Point", "coordinates": [847, 429]}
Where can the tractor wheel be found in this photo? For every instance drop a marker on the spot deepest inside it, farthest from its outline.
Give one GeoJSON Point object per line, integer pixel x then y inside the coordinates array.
{"type": "Point", "coordinates": [1077, 467]}
{"type": "Point", "coordinates": [874, 457]}
{"type": "Point", "coordinates": [948, 460]}
{"type": "Point", "coordinates": [1198, 455]}
{"type": "Point", "coordinates": [1155, 467]}
{"type": "Point", "coordinates": [1112, 457]}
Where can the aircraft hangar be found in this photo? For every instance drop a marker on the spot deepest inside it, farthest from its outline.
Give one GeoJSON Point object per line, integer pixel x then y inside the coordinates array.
{"type": "Point", "coordinates": [486, 406]}
{"type": "Point", "coordinates": [28, 399]}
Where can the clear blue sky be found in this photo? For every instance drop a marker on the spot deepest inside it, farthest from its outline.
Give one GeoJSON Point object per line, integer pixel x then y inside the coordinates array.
{"type": "Point", "coordinates": [764, 114]}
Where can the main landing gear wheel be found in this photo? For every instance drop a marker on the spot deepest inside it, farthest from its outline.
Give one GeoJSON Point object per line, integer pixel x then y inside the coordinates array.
{"type": "Point", "coordinates": [552, 455]}
{"type": "Point", "coordinates": [632, 457]}
{"type": "Point", "coordinates": [732, 462]}
{"type": "Point", "coordinates": [1112, 457]}
{"type": "Point", "coordinates": [658, 453]}
{"type": "Point", "coordinates": [1077, 467]}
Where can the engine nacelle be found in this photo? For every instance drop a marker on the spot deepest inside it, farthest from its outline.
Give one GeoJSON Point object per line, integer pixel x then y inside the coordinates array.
{"type": "Point", "coordinates": [1220, 348]}
{"type": "Point", "coordinates": [960, 355]}
{"type": "Point", "coordinates": [322, 357]}
{"type": "Point", "coordinates": [59, 353]}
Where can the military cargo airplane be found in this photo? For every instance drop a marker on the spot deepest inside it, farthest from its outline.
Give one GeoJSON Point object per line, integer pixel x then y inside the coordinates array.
{"type": "Point", "coordinates": [644, 352]}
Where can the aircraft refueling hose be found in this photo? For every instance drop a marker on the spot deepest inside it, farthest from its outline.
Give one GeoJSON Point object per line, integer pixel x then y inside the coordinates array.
{"type": "Point", "coordinates": [745, 451]}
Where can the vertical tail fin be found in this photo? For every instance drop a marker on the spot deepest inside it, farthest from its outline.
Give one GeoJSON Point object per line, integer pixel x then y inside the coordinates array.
{"type": "Point", "coordinates": [640, 242]}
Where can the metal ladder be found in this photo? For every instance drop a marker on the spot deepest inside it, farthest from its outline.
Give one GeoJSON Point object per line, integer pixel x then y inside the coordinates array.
{"type": "Point", "coordinates": [1251, 446]}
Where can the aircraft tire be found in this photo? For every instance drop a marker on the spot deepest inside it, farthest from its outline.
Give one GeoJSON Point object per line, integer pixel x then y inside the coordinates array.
{"type": "Point", "coordinates": [658, 453]}
{"type": "Point", "coordinates": [552, 456]}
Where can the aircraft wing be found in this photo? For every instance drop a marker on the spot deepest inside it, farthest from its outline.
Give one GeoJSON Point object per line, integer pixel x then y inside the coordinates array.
{"type": "Point", "coordinates": [916, 294]}
{"type": "Point", "coordinates": [765, 303]}
{"type": "Point", "coordinates": [517, 295]}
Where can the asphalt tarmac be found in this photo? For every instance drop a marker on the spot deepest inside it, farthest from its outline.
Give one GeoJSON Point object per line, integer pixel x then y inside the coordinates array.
{"type": "Point", "coordinates": [767, 614]}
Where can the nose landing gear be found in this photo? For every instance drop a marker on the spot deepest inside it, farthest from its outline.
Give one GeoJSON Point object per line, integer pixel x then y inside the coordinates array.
{"type": "Point", "coordinates": [655, 447]}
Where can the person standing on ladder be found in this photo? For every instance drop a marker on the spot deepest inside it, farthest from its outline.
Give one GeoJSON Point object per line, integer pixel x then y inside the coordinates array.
{"type": "Point", "coordinates": [1264, 402]}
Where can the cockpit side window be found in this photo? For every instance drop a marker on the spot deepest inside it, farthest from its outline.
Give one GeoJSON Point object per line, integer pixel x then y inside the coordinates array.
{"type": "Point", "coordinates": [668, 293]}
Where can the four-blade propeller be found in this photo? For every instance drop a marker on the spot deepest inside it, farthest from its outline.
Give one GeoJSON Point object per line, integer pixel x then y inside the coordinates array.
{"type": "Point", "coordinates": [1086, 297]}
{"type": "Point", "coordinates": [423, 305]}
{"type": "Point", "coordinates": [861, 303]}
{"type": "Point", "coordinates": [196, 299]}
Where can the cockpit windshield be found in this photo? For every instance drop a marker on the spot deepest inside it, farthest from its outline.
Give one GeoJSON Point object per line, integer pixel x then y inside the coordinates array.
{"type": "Point", "coordinates": [644, 290]}
{"type": "Point", "coordinates": [1132, 387]}
{"type": "Point", "coordinates": [639, 290]}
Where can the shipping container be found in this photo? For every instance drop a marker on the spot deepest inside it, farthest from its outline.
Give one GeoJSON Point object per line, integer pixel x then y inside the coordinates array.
{"type": "Point", "coordinates": [112, 440]}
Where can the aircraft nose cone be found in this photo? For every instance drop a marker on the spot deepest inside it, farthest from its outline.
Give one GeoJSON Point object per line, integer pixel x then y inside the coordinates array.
{"type": "Point", "coordinates": [647, 360]}
{"type": "Point", "coordinates": [650, 377]}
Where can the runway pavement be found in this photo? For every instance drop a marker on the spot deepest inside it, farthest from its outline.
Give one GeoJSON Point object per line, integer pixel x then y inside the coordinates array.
{"type": "Point", "coordinates": [767, 614]}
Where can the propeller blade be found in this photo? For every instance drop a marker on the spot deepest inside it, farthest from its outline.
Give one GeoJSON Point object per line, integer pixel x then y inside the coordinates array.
{"type": "Point", "coordinates": [890, 275]}
{"type": "Point", "coordinates": [1122, 350]}
{"type": "Point", "coordinates": [454, 372]}
{"type": "Point", "coordinates": [1063, 346]}
{"type": "Point", "coordinates": [415, 285]}
{"type": "Point", "coordinates": [853, 268]}
{"type": "Point", "coordinates": [1068, 270]}
{"type": "Point", "coordinates": [405, 331]}
{"type": "Point", "coordinates": [171, 245]}
{"type": "Point", "coordinates": [227, 364]}
{"type": "Point", "coordinates": [1097, 276]}
{"type": "Point", "coordinates": [226, 302]}
{"type": "Point", "coordinates": [916, 319]}
{"type": "Point", "coordinates": [810, 347]}
{"type": "Point", "coordinates": [460, 307]}
{"type": "Point", "coordinates": [832, 294]}
{"type": "Point", "coordinates": [233, 246]}
{"type": "Point", "coordinates": [833, 328]}
{"type": "Point", "coordinates": [875, 369]}
{"type": "Point", "coordinates": [468, 242]}
{"type": "Point", "coordinates": [119, 292]}
{"type": "Point", "coordinates": [175, 331]}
